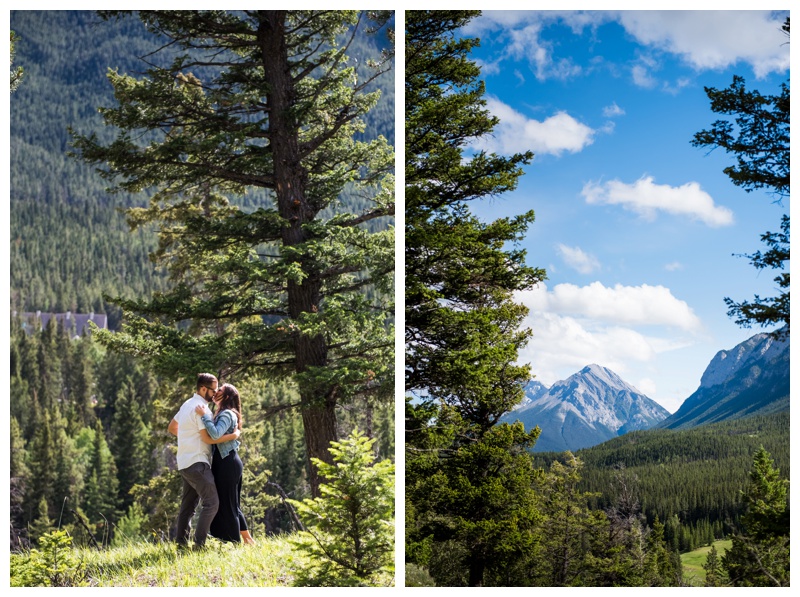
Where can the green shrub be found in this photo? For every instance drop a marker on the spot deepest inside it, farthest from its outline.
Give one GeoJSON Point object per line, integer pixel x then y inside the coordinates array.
{"type": "Point", "coordinates": [54, 564]}
{"type": "Point", "coordinates": [350, 527]}
{"type": "Point", "coordinates": [417, 576]}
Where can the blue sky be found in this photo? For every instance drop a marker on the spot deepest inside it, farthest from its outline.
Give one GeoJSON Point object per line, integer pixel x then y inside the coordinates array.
{"type": "Point", "coordinates": [635, 227]}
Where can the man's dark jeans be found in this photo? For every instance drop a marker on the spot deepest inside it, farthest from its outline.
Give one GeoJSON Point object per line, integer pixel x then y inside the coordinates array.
{"type": "Point", "coordinates": [198, 484]}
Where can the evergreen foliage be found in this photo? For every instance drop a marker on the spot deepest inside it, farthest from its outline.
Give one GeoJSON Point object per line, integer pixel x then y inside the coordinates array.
{"type": "Point", "coordinates": [53, 564]}
{"type": "Point", "coordinates": [759, 555]}
{"type": "Point", "coordinates": [16, 73]}
{"type": "Point", "coordinates": [350, 526]}
{"type": "Point", "coordinates": [101, 497]}
{"type": "Point", "coordinates": [691, 479]}
{"type": "Point", "coordinates": [130, 444]}
{"type": "Point", "coordinates": [713, 568]}
{"type": "Point", "coordinates": [68, 243]}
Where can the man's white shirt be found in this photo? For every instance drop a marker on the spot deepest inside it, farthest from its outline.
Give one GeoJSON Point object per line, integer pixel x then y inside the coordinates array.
{"type": "Point", "coordinates": [191, 448]}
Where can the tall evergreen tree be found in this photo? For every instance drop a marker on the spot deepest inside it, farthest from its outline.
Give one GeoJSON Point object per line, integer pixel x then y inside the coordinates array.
{"type": "Point", "coordinates": [48, 359]}
{"type": "Point", "coordinates": [18, 473]}
{"type": "Point", "coordinates": [468, 482]}
{"type": "Point", "coordinates": [69, 473]}
{"type": "Point", "coordinates": [42, 524]}
{"type": "Point", "coordinates": [261, 101]}
{"type": "Point", "coordinates": [570, 528]}
{"type": "Point", "coordinates": [759, 556]}
{"type": "Point", "coordinates": [130, 445]}
{"type": "Point", "coordinates": [713, 568]}
{"type": "Point", "coordinates": [660, 565]}
{"type": "Point", "coordinates": [41, 457]}
{"type": "Point", "coordinates": [81, 382]}
{"type": "Point", "coordinates": [100, 494]}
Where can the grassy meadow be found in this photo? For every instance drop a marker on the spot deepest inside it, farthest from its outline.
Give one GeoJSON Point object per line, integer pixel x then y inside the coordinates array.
{"type": "Point", "coordinates": [693, 572]}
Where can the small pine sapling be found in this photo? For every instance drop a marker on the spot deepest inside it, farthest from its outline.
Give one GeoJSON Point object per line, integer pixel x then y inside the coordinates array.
{"type": "Point", "coordinates": [350, 526]}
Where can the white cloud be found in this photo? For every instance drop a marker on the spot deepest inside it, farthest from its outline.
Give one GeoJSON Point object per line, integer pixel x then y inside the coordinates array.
{"type": "Point", "coordinates": [488, 68]}
{"type": "Point", "coordinates": [577, 259]}
{"type": "Point", "coordinates": [516, 132]}
{"type": "Point", "coordinates": [714, 39]}
{"type": "Point", "coordinates": [646, 198]}
{"type": "Point", "coordinates": [613, 110]}
{"type": "Point", "coordinates": [620, 305]}
{"type": "Point", "coordinates": [575, 326]}
{"type": "Point", "coordinates": [676, 88]}
{"type": "Point", "coordinates": [703, 39]}
{"type": "Point", "coordinates": [646, 386]}
{"type": "Point", "coordinates": [562, 345]}
{"type": "Point", "coordinates": [607, 128]}
{"type": "Point", "coordinates": [674, 266]}
{"type": "Point", "coordinates": [641, 77]}
{"type": "Point", "coordinates": [522, 32]}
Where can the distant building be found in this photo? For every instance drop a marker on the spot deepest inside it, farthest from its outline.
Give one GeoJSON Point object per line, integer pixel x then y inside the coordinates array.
{"type": "Point", "coordinates": [77, 322]}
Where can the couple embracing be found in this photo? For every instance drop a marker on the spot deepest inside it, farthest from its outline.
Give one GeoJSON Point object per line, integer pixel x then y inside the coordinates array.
{"type": "Point", "coordinates": [209, 463]}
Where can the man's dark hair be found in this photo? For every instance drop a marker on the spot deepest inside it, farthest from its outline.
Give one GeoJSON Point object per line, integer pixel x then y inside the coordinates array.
{"type": "Point", "coordinates": [205, 380]}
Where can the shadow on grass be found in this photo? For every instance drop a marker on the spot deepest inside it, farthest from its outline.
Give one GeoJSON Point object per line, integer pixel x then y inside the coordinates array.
{"type": "Point", "coordinates": [118, 561]}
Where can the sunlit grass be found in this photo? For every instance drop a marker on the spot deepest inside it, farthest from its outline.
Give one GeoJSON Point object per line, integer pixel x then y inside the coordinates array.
{"type": "Point", "coordinates": [270, 563]}
{"type": "Point", "coordinates": [693, 572]}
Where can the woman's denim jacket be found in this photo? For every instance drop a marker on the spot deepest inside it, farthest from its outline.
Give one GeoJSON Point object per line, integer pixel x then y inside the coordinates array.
{"type": "Point", "coordinates": [224, 424]}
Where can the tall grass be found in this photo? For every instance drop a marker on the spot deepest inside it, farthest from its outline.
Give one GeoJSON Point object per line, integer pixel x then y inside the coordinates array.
{"type": "Point", "coordinates": [269, 563]}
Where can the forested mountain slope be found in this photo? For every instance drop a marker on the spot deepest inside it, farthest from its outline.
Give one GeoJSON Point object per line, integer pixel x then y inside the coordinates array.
{"type": "Point", "coordinates": [691, 477]}
{"type": "Point", "coordinates": [69, 241]}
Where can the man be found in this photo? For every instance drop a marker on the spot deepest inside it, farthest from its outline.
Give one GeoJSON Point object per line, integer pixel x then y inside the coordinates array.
{"type": "Point", "coordinates": [194, 463]}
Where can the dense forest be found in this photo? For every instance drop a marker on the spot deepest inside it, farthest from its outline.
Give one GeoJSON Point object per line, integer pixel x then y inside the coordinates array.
{"type": "Point", "coordinates": [692, 479]}
{"type": "Point", "coordinates": [90, 450]}
{"type": "Point", "coordinates": [89, 442]}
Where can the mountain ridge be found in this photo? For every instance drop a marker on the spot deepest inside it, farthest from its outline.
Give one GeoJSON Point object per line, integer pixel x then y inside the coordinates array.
{"type": "Point", "coordinates": [750, 378]}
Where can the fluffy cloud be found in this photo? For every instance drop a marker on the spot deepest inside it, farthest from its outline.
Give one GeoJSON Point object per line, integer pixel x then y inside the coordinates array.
{"type": "Point", "coordinates": [577, 259]}
{"type": "Point", "coordinates": [714, 39]}
{"type": "Point", "coordinates": [517, 133]}
{"type": "Point", "coordinates": [646, 198]}
{"type": "Point", "coordinates": [574, 326]}
{"type": "Point", "coordinates": [625, 305]}
{"type": "Point", "coordinates": [642, 78]}
{"type": "Point", "coordinates": [704, 39]}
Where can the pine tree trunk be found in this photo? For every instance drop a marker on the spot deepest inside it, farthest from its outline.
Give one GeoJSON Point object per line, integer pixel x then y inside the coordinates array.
{"type": "Point", "coordinates": [318, 405]}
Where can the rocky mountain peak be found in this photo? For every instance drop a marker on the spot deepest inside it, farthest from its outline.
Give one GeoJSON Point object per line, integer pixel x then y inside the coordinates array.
{"type": "Point", "coordinates": [761, 347]}
{"type": "Point", "coordinates": [587, 408]}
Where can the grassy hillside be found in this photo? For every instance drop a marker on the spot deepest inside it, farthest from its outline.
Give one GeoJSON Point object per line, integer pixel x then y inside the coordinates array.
{"type": "Point", "coordinates": [272, 562]}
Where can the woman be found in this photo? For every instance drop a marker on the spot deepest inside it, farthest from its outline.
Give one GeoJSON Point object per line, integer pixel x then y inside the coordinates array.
{"type": "Point", "coordinates": [229, 523]}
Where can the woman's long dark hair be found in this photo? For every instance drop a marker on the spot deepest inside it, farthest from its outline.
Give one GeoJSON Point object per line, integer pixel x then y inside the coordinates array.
{"type": "Point", "coordinates": [230, 401]}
